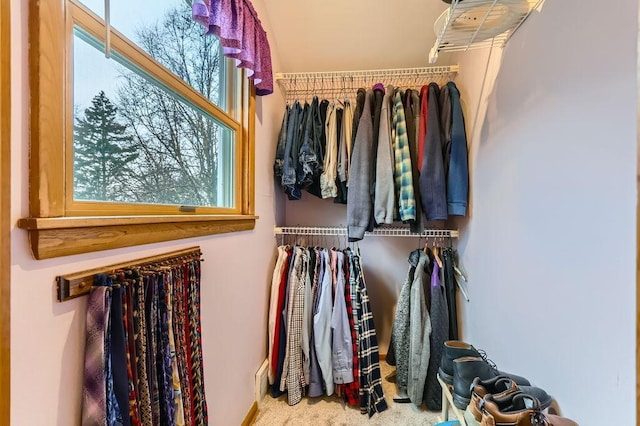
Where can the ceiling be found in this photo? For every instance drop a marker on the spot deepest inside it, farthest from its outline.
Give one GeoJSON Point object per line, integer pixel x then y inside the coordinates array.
{"type": "Point", "coordinates": [336, 35]}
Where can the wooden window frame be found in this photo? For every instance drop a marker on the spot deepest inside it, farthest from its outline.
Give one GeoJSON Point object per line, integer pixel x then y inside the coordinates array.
{"type": "Point", "coordinates": [5, 213]}
{"type": "Point", "coordinates": [56, 226]}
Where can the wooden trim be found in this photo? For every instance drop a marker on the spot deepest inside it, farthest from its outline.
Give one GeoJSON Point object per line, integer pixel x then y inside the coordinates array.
{"type": "Point", "coordinates": [251, 415]}
{"type": "Point", "coordinates": [47, 81]}
{"type": "Point", "coordinates": [52, 232]}
{"type": "Point", "coordinates": [77, 284]}
{"type": "Point", "coordinates": [638, 231]}
{"type": "Point", "coordinates": [35, 223]}
{"type": "Point", "coordinates": [47, 242]}
{"type": "Point", "coordinates": [96, 208]}
{"type": "Point", "coordinates": [250, 157]}
{"type": "Point", "coordinates": [5, 213]}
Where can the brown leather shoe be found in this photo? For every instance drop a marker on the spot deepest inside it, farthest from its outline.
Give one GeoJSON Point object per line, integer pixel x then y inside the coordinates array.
{"type": "Point", "coordinates": [524, 411]}
{"type": "Point", "coordinates": [500, 387]}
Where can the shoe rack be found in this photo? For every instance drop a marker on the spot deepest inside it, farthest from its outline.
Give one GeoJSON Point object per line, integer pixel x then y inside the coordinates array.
{"type": "Point", "coordinates": [447, 402]}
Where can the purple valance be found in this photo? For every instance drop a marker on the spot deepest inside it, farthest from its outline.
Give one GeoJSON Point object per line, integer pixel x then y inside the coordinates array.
{"type": "Point", "coordinates": [236, 24]}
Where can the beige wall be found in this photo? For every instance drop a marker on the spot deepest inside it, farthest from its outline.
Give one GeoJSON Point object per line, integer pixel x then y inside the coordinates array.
{"type": "Point", "coordinates": [48, 337]}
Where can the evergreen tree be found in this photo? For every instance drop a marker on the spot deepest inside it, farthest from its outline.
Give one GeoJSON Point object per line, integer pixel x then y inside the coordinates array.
{"type": "Point", "coordinates": [103, 150]}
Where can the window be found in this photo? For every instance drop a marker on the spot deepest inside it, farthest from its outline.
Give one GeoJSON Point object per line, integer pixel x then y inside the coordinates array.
{"type": "Point", "coordinates": [141, 130]}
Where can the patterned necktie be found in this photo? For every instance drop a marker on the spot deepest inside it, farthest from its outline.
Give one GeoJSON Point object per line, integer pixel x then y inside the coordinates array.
{"type": "Point", "coordinates": [180, 329]}
{"type": "Point", "coordinates": [94, 391]}
{"type": "Point", "coordinates": [132, 374]}
{"type": "Point", "coordinates": [195, 335]}
{"type": "Point", "coordinates": [175, 376]}
{"type": "Point", "coordinates": [139, 325]}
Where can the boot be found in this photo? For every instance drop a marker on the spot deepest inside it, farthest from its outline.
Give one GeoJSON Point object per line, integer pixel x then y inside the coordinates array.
{"type": "Point", "coordinates": [454, 349]}
{"type": "Point", "coordinates": [466, 369]}
{"type": "Point", "coordinates": [523, 410]}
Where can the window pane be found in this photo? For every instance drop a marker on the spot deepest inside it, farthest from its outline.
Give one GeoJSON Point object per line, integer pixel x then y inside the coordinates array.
{"type": "Point", "coordinates": [167, 32]}
{"type": "Point", "coordinates": [136, 141]}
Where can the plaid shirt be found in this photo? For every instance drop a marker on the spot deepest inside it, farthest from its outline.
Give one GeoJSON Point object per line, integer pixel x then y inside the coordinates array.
{"type": "Point", "coordinates": [402, 171]}
{"type": "Point", "coordinates": [371, 395]}
{"type": "Point", "coordinates": [351, 391]}
{"type": "Point", "coordinates": [292, 375]}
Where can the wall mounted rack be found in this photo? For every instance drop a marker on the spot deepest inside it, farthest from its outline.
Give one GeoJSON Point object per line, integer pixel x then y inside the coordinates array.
{"type": "Point", "coordinates": [377, 232]}
{"type": "Point", "coordinates": [346, 83]}
{"type": "Point", "coordinates": [473, 24]}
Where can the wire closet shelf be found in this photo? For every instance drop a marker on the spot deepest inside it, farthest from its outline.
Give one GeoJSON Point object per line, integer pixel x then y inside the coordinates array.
{"type": "Point", "coordinates": [377, 232]}
{"type": "Point", "coordinates": [344, 84]}
{"type": "Point", "coordinates": [474, 24]}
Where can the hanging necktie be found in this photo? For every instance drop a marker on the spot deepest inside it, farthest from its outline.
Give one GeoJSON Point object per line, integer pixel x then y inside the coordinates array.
{"type": "Point", "coordinates": [200, 402]}
{"type": "Point", "coordinates": [119, 355]}
{"type": "Point", "coordinates": [94, 403]}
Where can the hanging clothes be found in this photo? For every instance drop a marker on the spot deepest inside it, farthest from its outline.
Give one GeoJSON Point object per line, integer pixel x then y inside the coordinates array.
{"type": "Point", "coordinates": [439, 334]}
{"type": "Point", "coordinates": [328, 177]}
{"type": "Point", "coordinates": [384, 197]}
{"type": "Point", "coordinates": [371, 394]}
{"type": "Point", "coordinates": [400, 337]}
{"type": "Point", "coordinates": [450, 284]}
{"type": "Point", "coordinates": [343, 348]}
{"type": "Point", "coordinates": [321, 145]}
{"type": "Point", "coordinates": [412, 117]}
{"type": "Point", "coordinates": [359, 202]}
{"type": "Point", "coordinates": [402, 169]}
{"type": "Point", "coordinates": [331, 148]}
{"type": "Point", "coordinates": [341, 186]}
{"type": "Point", "coordinates": [432, 178]}
{"type": "Point", "coordinates": [419, 332]}
{"type": "Point", "coordinates": [458, 171]}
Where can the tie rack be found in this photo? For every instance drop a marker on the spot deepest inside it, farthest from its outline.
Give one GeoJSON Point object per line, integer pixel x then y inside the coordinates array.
{"type": "Point", "coordinates": [78, 284]}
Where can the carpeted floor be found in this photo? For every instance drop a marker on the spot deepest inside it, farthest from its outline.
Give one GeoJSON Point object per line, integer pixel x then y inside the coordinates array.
{"type": "Point", "coordinates": [332, 411]}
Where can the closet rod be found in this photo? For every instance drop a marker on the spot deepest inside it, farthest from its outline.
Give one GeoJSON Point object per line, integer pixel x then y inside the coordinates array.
{"type": "Point", "coordinates": [377, 232]}
{"type": "Point", "coordinates": [383, 73]}
{"type": "Point", "coordinates": [77, 284]}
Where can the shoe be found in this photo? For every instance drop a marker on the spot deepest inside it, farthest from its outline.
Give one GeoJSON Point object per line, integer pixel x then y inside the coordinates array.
{"type": "Point", "coordinates": [501, 388]}
{"type": "Point", "coordinates": [523, 410]}
{"type": "Point", "coordinates": [454, 349]}
{"type": "Point", "coordinates": [466, 369]}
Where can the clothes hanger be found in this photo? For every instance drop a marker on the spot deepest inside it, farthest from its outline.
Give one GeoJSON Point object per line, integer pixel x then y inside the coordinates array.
{"type": "Point", "coordinates": [436, 255]}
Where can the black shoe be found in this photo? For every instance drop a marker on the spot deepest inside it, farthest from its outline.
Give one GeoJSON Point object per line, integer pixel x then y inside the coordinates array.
{"type": "Point", "coordinates": [454, 349]}
{"type": "Point", "coordinates": [466, 369]}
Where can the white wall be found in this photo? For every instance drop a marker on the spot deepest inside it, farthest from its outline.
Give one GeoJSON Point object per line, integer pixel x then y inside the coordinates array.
{"type": "Point", "coordinates": [550, 247]}
{"type": "Point", "coordinates": [48, 337]}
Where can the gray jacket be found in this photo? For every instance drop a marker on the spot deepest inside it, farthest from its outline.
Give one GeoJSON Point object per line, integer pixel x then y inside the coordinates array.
{"type": "Point", "coordinates": [419, 332]}
{"type": "Point", "coordinates": [384, 200]}
{"type": "Point", "coordinates": [401, 324]}
{"type": "Point", "coordinates": [359, 203]}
